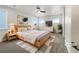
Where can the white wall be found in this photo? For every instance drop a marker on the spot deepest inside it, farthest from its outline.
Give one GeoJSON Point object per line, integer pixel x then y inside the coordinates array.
{"type": "Point", "coordinates": [12, 15]}
{"type": "Point", "coordinates": [68, 27]}
{"type": "Point", "coordinates": [75, 25]}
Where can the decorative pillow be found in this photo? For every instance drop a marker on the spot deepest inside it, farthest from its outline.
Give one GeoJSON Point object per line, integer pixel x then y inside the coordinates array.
{"type": "Point", "coordinates": [22, 29]}
{"type": "Point", "coordinates": [19, 29]}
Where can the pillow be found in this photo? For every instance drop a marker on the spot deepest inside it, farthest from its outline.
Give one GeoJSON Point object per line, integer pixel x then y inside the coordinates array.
{"type": "Point", "coordinates": [19, 29]}
{"type": "Point", "coordinates": [22, 29]}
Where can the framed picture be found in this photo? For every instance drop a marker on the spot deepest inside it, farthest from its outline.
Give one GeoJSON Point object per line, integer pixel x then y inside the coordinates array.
{"type": "Point", "coordinates": [20, 19]}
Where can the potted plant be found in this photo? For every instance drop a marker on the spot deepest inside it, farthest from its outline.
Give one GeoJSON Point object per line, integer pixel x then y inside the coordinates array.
{"type": "Point", "coordinates": [60, 28]}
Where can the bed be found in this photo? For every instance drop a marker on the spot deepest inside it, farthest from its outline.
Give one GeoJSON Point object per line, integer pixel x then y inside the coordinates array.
{"type": "Point", "coordinates": [34, 37]}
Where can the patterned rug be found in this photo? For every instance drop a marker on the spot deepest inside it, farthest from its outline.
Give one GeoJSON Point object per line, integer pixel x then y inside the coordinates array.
{"type": "Point", "coordinates": [31, 49]}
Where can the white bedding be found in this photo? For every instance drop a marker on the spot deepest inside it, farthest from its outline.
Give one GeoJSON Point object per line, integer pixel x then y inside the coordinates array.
{"type": "Point", "coordinates": [32, 35]}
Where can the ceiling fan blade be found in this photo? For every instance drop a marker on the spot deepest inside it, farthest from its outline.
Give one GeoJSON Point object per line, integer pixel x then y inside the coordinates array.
{"type": "Point", "coordinates": [37, 7]}
{"type": "Point", "coordinates": [43, 11]}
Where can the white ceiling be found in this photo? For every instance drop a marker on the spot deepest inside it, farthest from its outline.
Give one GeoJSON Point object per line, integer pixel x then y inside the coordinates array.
{"type": "Point", "coordinates": [32, 11]}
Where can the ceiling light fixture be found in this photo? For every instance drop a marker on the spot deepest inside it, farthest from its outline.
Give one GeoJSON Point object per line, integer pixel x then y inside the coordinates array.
{"type": "Point", "coordinates": [39, 9]}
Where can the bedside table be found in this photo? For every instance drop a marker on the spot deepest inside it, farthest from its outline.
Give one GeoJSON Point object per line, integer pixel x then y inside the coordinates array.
{"type": "Point", "coordinates": [11, 36]}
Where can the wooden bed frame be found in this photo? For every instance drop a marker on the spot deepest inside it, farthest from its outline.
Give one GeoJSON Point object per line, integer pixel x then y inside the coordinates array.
{"type": "Point", "coordinates": [38, 42]}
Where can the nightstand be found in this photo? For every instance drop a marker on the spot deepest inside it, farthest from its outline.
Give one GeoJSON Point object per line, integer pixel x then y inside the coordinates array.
{"type": "Point", "coordinates": [11, 36]}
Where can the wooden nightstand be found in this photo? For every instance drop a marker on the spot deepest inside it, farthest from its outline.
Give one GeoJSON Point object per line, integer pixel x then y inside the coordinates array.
{"type": "Point", "coordinates": [11, 36]}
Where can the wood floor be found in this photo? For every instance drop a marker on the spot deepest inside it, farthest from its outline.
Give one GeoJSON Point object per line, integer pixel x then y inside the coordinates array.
{"type": "Point", "coordinates": [57, 47]}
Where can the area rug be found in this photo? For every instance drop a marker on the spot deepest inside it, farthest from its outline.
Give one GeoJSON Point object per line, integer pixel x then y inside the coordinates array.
{"type": "Point", "coordinates": [31, 49]}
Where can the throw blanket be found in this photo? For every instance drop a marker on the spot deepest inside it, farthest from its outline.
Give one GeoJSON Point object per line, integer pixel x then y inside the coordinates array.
{"type": "Point", "coordinates": [32, 35]}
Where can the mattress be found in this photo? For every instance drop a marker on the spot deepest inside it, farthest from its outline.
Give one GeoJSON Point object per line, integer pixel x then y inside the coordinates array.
{"type": "Point", "coordinates": [32, 35]}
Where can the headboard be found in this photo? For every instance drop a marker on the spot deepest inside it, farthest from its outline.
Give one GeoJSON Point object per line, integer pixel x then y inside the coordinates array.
{"type": "Point", "coordinates": [16, 28]}
{"type": "Point", "coordinates": [22, 27]}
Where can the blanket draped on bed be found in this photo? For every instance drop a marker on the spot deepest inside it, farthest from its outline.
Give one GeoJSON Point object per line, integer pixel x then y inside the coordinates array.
{"type": "Point", "coordinates": [32, 35]}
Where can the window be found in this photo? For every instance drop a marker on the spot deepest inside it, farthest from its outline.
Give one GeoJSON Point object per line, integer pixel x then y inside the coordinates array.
{"type": "Point", "coordinates": [41, 21]}
{"type": "Point", "coordinates": [3, 21]}
{"type": "Point", "coordinates": [35, 21]}
{"type": "Point", "coordinates": [56, 19]}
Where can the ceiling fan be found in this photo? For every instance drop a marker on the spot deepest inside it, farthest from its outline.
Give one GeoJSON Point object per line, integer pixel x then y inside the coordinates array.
{"type": "Point", "coordinates": [42, 11]}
